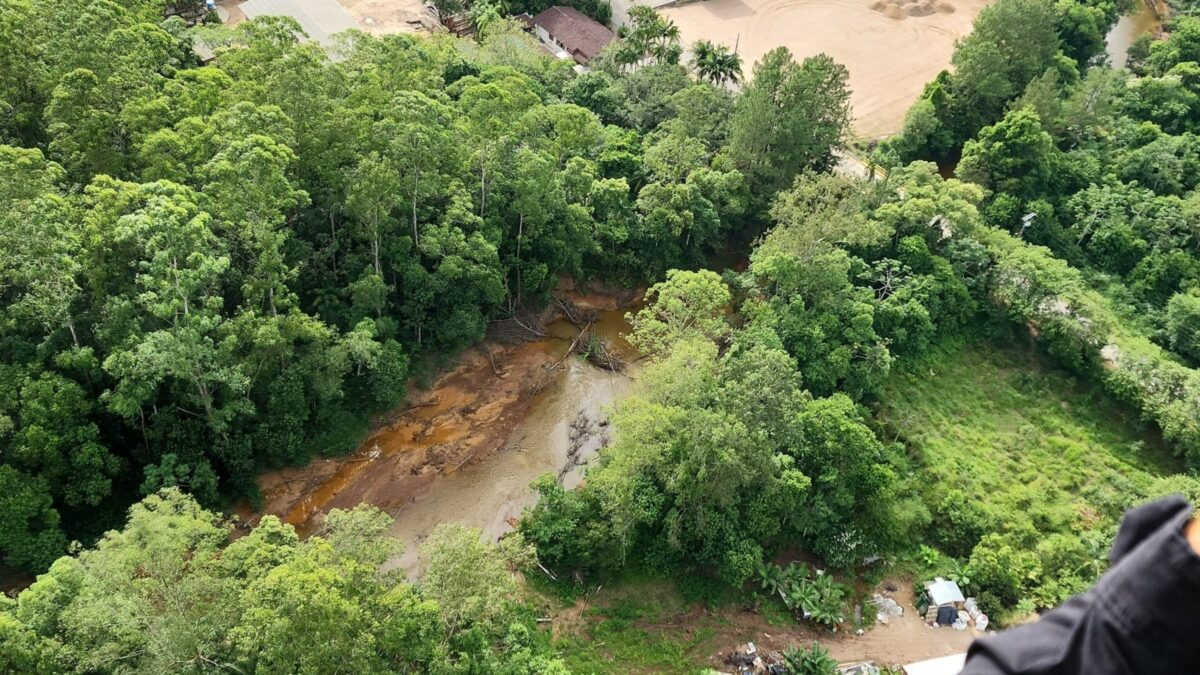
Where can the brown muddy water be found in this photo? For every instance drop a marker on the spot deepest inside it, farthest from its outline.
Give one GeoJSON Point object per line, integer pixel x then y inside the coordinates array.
{"type": "Point", "coordinates": [1145, 19]}
{"type": "Point", "coordinates": [467, 448]}
{"type": "Point", "coordinates": [565, 427]}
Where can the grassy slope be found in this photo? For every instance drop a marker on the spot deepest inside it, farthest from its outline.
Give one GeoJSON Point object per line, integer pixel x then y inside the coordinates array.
{"type": "Point", "coordinates": [996, 424]}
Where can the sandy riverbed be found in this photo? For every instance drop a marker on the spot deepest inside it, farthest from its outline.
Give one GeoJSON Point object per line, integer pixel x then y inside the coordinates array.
{"type": "Point", "coordinates": [890, 48]}
{"type": "Point", "coordinates": [467, 448]}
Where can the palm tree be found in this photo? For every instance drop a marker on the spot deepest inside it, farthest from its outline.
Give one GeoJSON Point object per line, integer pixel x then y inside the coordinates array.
{"type": "Point", "coordinates": [715, 63]}
{"type": "Point", "coordinates": [702, 58]}
{"type": "Point", "coordinates": [486, 13]}
{"type": "Point", "coordinates": [653, 36]}
{"type": "Point", "coordinates": [731, 67]}
{"type": "Point", "coordinates": [668, 34]}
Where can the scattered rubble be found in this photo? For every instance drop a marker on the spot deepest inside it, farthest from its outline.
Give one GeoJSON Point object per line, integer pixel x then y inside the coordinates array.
{"type": "Point", "coordinates": [748, 660]}
{"type": "Point", "coordinates": [587, 435]}
{"type": "Point", "coordinates": [888, 609]}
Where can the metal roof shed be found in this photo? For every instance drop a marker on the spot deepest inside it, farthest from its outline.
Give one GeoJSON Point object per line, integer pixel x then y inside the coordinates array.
{"type": "Point", "coordinates": [943, 592]}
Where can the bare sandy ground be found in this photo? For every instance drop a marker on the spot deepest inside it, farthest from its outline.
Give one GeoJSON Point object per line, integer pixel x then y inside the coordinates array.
{"type": "Point", "coordinates": [890, 48]}
{"type": "Point", "coordinates": [377, 17]}
{"type": "Point", "coordinates": [383, 17]}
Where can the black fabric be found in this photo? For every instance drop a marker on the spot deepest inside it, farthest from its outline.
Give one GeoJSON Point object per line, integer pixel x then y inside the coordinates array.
{"type": "Point", "coordinates": [946, 615]}
{"type": "Point", "coordinates": [1142, 617]}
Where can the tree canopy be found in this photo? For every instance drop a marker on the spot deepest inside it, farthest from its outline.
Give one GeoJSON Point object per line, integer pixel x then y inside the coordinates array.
{"type": "Point", "coordinates": [209, 270]}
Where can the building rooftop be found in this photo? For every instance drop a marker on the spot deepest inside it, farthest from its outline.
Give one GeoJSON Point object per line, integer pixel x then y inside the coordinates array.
{"type": "Point", "coordinates": [578, 33]}
{"type": "Point", "coordinates": [942, 592]}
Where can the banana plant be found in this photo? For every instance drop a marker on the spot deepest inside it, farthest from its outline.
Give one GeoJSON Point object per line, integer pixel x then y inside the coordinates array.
{"type": "Point", "coordinates": [803, 597]}
{"type": "Point", "coordinates": [770, 577]}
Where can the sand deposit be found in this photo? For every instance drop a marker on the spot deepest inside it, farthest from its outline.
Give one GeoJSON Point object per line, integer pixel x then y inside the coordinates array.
{"type": "Point", "coordinates": [891, 47]}
{"type": "Point", "coordinates": [383, 17]}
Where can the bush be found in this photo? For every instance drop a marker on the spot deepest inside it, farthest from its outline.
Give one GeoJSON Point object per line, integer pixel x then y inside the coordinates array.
{"type": "Point", "coordinates": [1183, 324]}
{"type": "Point", "coordinates": [812, 661]}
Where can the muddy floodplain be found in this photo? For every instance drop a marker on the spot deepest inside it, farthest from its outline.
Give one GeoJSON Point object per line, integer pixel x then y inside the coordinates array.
{"type": "Point", "coordinates": [467, 448]}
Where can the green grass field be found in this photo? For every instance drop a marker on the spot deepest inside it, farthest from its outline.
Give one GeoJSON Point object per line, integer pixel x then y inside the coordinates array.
{"type": "Point", "coordinates": [1022, 439]}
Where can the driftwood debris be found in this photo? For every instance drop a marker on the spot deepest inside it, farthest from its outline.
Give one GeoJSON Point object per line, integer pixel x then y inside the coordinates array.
{"type": "Point", "coordinates": [602, 355]}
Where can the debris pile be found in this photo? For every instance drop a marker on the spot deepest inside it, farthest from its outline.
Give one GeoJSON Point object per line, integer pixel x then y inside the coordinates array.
{"type": "Point", "coordinates": [747, 660]}
{"type": "Point", "coordinates": [888, 609]}
{"type": "Point", "coordinates": [975, 614]}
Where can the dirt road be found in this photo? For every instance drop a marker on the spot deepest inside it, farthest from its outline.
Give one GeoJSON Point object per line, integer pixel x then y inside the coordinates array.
{"type": "Point", "coordinates": [891, 48]}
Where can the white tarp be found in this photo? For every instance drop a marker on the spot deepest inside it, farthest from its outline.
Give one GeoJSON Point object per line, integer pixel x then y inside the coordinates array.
{"type": "Point", "coordinates": [946, 665]}
{"type": "Point", "coordinates": [319, 18]}
{"type": "Point", "coordinates": [942, 592]}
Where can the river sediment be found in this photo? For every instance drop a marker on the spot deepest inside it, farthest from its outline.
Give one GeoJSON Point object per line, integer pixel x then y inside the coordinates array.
{"type": "Point", "coordinates": [467, 448]}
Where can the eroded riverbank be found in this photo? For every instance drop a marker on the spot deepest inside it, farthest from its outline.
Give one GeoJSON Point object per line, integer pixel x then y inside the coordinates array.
{"type": "Point", "coordinates": [466, 449]}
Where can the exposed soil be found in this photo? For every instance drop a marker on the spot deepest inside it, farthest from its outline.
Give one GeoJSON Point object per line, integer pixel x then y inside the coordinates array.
{"type": "Point", "coordinates": [471, 411]}
{"type": "Point", "coordinates": [383, 17]}
{"type": "Point", "coordinates": [891, 47]}
{"type": "Point", "coordinates": [233, 8]}
{"type": "Point", "coordinates": [467, 414]}
{"type": "Point", "coordinates": [904, 639]}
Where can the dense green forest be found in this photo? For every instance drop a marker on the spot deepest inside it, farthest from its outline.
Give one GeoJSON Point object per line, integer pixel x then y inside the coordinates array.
{"type": "Point", "coordinates": [209, 270]}
{"type": "Point", "coordinates": [171, 594]}
{"type": "Point", "coordinates": [212, 270]}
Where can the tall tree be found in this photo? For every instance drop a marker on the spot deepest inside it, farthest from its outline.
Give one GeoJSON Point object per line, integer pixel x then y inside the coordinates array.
{"type": "Point", "coordinates": [716, 63]}
{"type": "Point", "coordinates": [790, 117]}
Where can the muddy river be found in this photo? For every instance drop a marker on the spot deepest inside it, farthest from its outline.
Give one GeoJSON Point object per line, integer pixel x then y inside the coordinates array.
{"type": "Point", "coordinates": [1128, 29]}
{"type": "Point", "coordinates": [467, 448]}
{"type": "Point", "coordinates": [565, 427]}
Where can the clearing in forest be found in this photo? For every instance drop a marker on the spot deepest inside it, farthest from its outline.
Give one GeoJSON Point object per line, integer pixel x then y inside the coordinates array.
{"type": "Point", "coordinates": [1018, 438]}
{"type": "Point", "coordinates": [642, 625]}
{"type": "Point", "coordinates": [891, 47]}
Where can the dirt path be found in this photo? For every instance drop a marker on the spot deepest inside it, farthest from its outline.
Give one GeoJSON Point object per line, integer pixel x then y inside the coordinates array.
{"type": "Point", "coordinates": [233, 12]}
{"type": "Point", "coordinates": [377, 17]}
{"type": "Point", "coordinates": [903, 640]}
{"type": "Point", "coordinates": [891, 47]}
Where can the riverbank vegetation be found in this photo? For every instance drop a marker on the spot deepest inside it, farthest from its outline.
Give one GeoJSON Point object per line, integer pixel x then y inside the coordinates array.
{"type": "Point", "coordinates": [744, 440]}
